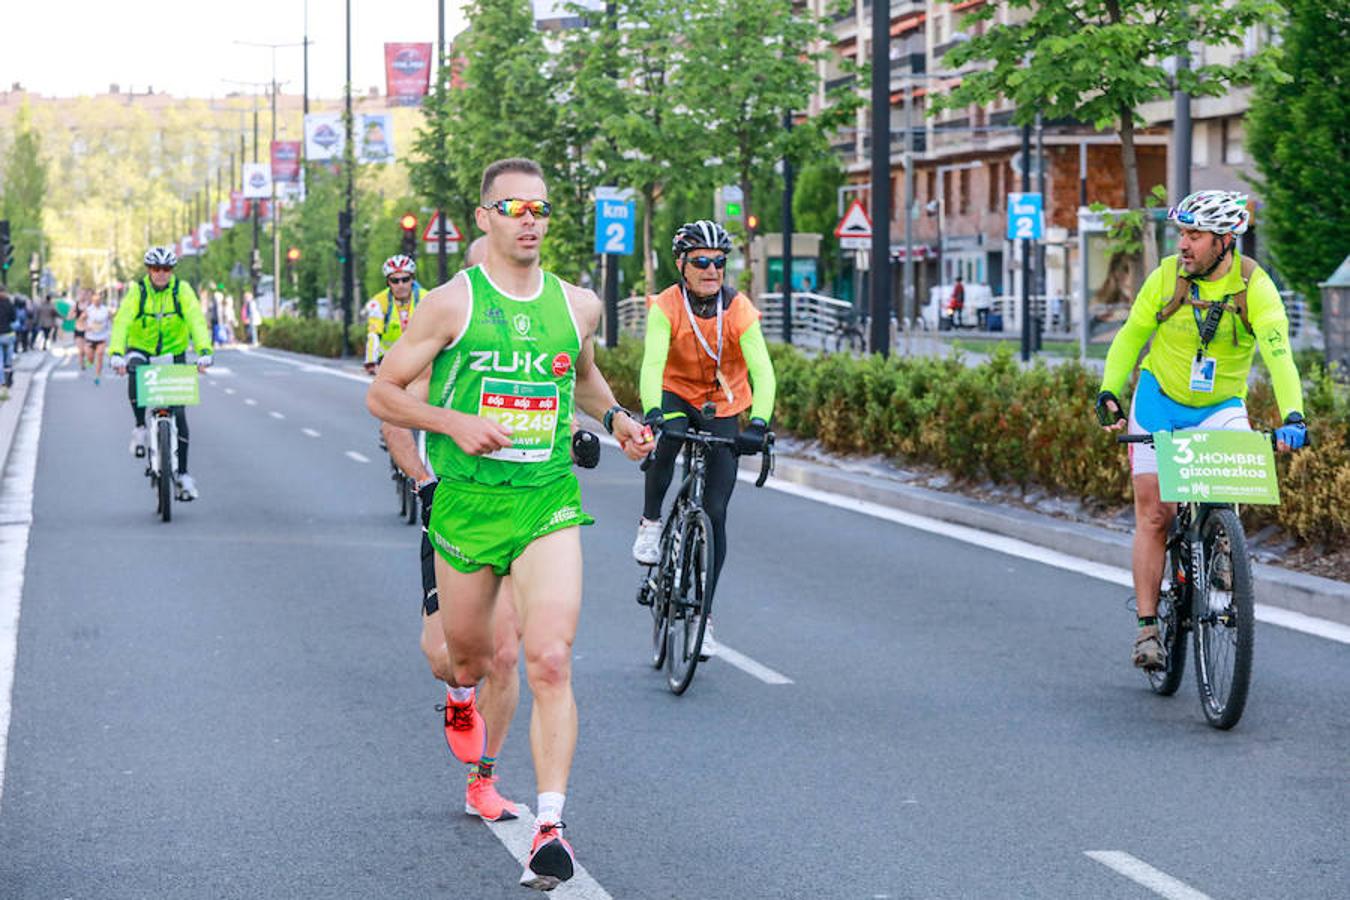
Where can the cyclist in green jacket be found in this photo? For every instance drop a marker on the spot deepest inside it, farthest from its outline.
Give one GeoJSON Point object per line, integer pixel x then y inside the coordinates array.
{"type": "Point", "coordinates": [1206, 310]}
{"type": "Point", "coordinates": [158, 315]}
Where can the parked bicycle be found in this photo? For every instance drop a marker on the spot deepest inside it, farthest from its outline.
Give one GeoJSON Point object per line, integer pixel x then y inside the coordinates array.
{"type": "Point", "coordinates": [1206, 591]}
{"type": "Point", "coordinates": [676, 588]}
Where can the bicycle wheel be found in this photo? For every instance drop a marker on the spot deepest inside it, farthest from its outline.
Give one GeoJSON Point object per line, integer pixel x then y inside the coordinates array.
{"type": "Point", "coordinates": [1223, 619]}
{"type": "Point", "coordinates": [164, 444]}
{"type": "Point", "coordinates": [658, 583]}
{"type": "Point", "coordinates": [1165, 681]}
{"type": "Point", "coordinates": [690, 602]}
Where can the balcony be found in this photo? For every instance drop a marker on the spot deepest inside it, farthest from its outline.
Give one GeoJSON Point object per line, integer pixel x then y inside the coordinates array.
{"type": "Point", "coordinates": [835, 84]}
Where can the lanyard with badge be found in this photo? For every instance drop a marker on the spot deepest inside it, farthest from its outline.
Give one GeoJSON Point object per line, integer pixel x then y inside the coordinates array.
{"type": "Point", "coordinates": [1204, 366]}
{"type": "Point", "coordinates": [703, 342]}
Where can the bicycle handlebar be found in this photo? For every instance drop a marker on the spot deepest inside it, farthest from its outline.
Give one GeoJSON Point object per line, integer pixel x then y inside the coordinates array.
{"type": "Point", "coordinates": [712, 440]}
{"type": "Point", "coordinates": [1148, 438]}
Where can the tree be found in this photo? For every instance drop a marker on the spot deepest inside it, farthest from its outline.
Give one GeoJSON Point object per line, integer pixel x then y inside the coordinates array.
{"type": "Point", "coordinates": [1298, 130]}
{"type": "Point", "coordinates": [23, 177]}
{"type": "Point", "coordinates": [1099, 61]}
{"type": "Point", "coordinates": [754, 64]}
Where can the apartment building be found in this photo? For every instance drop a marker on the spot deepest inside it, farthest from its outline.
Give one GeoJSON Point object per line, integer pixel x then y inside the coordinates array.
{"type": "Point", "coordinates": [965, 161]}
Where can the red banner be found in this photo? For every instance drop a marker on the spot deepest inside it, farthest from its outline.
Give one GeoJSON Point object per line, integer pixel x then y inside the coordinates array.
{"type": "Point", "coordinates": [407, 69]}
{"type": "Point", "coordinates": [238, 206]}
{"type": "Point", "coordinates": [286, 162]}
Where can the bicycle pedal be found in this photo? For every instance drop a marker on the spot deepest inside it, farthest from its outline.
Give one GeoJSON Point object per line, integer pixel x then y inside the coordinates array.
{"type": "Point", "coordinates": [140, 453]}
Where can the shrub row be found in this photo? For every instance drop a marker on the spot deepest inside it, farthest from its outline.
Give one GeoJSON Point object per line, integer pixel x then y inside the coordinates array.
{"type": "Point", "coordinates": [319, 337]}
{"type": "Point", "coordinates": [1026, 427]}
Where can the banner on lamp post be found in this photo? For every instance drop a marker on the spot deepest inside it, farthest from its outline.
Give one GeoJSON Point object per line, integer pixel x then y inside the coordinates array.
{"type": "Point", "coordinates": [285, 162]}
{"type": "Point", "coordinates": [257, 181]}
{"type": "Point", "coordinates": [324, 137]}
{"type": "Point", "coordinates": [375, 138]}
{"type": "Point", "coordinates": [407, 70]}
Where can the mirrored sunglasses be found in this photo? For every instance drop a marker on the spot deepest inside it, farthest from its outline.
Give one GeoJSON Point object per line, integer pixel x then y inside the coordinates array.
{"type": "Point", "coordinates": [702, 262]}
{"type": "Point", "coordinates": [514, 209]}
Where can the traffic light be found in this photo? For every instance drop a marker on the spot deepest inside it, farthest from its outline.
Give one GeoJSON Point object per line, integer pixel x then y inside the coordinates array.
{"type": "Point", "coordinates": [729, 205]}
{"type": "Point", "coordinates": [343, 242]}
{"type": "Point", "coordinates": [293, 255]}
{"type": "Point", "coordinates": [409, 225]}
{"type": "Point", "coordinates": [752, 222]}
{"type": "Point", "coordinates": [6, 251]}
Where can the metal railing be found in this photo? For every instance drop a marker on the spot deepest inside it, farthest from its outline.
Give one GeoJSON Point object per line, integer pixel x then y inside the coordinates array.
{"type": "Point", "coordinates": [817, 320]}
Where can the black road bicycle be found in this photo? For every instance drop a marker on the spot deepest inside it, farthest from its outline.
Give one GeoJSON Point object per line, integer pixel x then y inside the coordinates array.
{"type": "Point", "coordinates": [1207, 591]}
{"type": "Point", "coordinates": [406, 491]}
{"type": "Point", "coordinates": [676, 588]}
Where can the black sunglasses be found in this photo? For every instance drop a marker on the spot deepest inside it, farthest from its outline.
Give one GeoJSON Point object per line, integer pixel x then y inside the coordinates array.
{"type": "Point", "coordinates": [702, 262]}
{"type": "Point", "coordinates": [401, 280]}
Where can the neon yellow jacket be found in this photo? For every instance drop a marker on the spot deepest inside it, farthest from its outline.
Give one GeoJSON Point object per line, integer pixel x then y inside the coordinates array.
{"type": "Point", "coordinates": [155, 322]}
{"type": "Point", "coordinates": [1177, 339]}
{"type": "Point", "coordinates": [383, 326]}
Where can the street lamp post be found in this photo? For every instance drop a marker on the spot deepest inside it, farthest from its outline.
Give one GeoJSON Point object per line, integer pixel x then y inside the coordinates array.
{"type": "Point", "coordinates": [349, 161]}
{"type": "Point", "coordinates": [881, 179]}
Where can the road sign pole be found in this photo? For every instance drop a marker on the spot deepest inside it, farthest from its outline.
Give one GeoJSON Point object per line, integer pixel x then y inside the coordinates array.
{"type": "Point", "coordinates": [1026, 249]}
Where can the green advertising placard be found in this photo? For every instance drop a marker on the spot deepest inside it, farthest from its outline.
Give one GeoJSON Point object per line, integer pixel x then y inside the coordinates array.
{"type": "Point", "coordinates": [166, 386]}
{"type": "Point", "coordinates": [1216, 467]}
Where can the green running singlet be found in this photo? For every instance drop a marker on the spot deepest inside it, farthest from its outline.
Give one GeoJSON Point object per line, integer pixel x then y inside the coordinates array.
{"type": "Point", "coordinates": [514, 362]}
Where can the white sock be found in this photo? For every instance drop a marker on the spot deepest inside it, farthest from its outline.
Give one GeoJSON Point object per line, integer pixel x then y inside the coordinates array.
{"type": "Point", "coordinates": [460, 695]}
{"type": "Point", "coordinates": [550, 807]}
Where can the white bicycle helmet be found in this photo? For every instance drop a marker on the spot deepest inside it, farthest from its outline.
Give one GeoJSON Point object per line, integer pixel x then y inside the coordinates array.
{"type": "Point", "coordinates": [1219, 212]}
{"type": "Point", "coordinates": [399, 263]}
{"type": "Point", "coordinates": [700, 235]}
{"type": "Point", "coordinates": [161, 256]}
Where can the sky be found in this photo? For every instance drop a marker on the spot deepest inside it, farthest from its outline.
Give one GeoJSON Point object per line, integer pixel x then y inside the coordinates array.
{"type": "Point", "coordinates": [70, 48]}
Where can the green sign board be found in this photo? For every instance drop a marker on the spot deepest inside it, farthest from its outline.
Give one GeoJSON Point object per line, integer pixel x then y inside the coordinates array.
{"type": "Point", "coordinates": [158, 386]}
{"type": "Point", "coordinates": [1216, 467]}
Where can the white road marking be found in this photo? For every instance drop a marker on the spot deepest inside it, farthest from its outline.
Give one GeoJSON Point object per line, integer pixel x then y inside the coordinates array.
{"type": "Point", "coordinates": [310, 431]}
{"type": "Point", "coordinates": [219, 371]}
{"type": "Point", "coordinates": [16, 517]}
{"type": "Point", "coordinates": [517, 835]}
{"type": "Point", "coordinates": [352, 454]}
{"type": "Point", "coordinates": [276, 415]}
{"type": "Point", "coordinates": [229, 390]}
{"type": "Point", "coordinates": [311, 367]}
{"type": "Point", "coordinates": [1322, 628]}
{"type": "Point", "coordinates": [65, 376]}
{"type": "Point", "coordinates": [1140, 872]}
{"type": "Point", "coordinates": [748, 665]}
{"type": "Point", "coordinates": [250, 401]}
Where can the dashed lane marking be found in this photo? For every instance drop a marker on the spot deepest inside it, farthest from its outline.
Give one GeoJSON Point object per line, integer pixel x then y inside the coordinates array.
{"type": "Point", "coordinates": [310, 431]}
{"type": "Point", "coordinates": [352, 454]}
{"type": "Point", "coordinates": [276, 415]}
{"type": "Point", "coordinates": [249, 401]}
{"type": "Point", "coordinates": [1140, 872]}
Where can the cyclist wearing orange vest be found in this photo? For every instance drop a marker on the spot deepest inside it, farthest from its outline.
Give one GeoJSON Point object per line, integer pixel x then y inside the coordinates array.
{"type": "Point", "coordinates": [704, 345]}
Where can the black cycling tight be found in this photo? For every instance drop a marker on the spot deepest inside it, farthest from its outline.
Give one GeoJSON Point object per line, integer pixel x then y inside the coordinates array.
{"type": "Point", "coordinates": [134, 361]}
{"type": "Point", "coordinates": [721, 472]}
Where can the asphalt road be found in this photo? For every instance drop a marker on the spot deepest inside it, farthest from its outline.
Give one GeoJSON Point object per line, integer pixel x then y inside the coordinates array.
{"type": "Point", "coordinates": [234, 704]}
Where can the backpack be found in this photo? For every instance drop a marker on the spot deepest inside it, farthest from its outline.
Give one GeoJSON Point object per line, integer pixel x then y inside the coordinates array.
{"type": "Point", "coordinates": [1181, 296]}
{"type": "Point", "coordinates": [177, 307]}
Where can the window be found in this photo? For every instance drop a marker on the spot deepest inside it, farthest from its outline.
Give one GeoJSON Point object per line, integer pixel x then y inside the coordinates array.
{"type": "Point", "coordinates": [963, 188]}
{"type": "Point", "coordinates": [930, 185]}
{"type": "Point", "coordinates": [1200, 145]}
{"type": "Point", "coordinates": [1232, 137]}
{"type": "Point", "coordinates": [994, 174]}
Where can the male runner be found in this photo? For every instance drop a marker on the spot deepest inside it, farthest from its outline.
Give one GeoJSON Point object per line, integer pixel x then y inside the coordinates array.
{"type": "Point", "coordinates": [501, 687]}
{"type": "Point", "coordinates": [509, 344]}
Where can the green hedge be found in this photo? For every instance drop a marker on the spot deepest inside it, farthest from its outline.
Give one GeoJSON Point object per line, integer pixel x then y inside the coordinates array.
{"type": "Point", "coordinates": [1033, 427]}
{"type": "Point", "coordinates": [318, 337]}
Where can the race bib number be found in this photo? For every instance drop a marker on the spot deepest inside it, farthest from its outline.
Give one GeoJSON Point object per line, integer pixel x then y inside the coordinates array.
{"type": "Point", "coordinates": [529, 409]}
{"type": "Point", "coordinates": [166, 385]}
{"type": "Point", "coordinates": [1216, 467]}
{"type": "Point", "coordinates": [1202, 374]}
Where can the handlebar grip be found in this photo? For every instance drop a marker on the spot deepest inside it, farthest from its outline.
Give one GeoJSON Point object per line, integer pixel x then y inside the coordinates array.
{"type": "Point", "coordinates": [1134, 439]}
{"type": "Point", "coordinates": [766, 460]}
{"type": "Point", "coordinates": [647, 461]}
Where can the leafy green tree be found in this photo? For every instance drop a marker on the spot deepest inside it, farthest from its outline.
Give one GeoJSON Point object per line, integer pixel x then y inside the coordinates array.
{"type": "Point", "coordinates": [23, 179]}
{"type": "Point", "coordinates": [1298, 131]}
{"type": "Point", "coordinates": [749, 67]}
{"type": "Point", "coordinates": [1099, 61]}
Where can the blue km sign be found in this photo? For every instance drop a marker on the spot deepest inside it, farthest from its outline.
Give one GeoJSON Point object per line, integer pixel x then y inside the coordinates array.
{"type": "Point", "coordinates": [1025, 219]}
{"type": "Point", "coordinates": [615, 220]}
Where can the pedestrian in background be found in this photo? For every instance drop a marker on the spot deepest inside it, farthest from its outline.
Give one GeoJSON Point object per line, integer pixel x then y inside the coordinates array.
{"type": "Point", "coordinates": [251, 317]}
{"type": "Point", "coordinates": [47, 321]}
{"type": "Point", "coordinates": [8, 312]}
{"type": "Point", "coordinates": [21, 317]}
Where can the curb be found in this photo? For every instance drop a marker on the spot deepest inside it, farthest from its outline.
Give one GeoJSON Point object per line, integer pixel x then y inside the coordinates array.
{"type": "Point", "coordinates": [1299, 592]}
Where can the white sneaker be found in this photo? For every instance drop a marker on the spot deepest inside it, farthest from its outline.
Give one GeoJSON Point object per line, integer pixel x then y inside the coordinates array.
{"type": "Point", "coordinates": [709, 647]}
{"type": "Point", "coordinates": [187, 488]}
{"type": "Point", "coordinates": [138, 441]}
{"type": "Point", "coordinates": [647, 547]}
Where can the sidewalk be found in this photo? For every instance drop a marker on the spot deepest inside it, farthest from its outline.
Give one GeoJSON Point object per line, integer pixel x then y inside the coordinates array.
{"type": "Point", "coordinates": [25, 365]}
